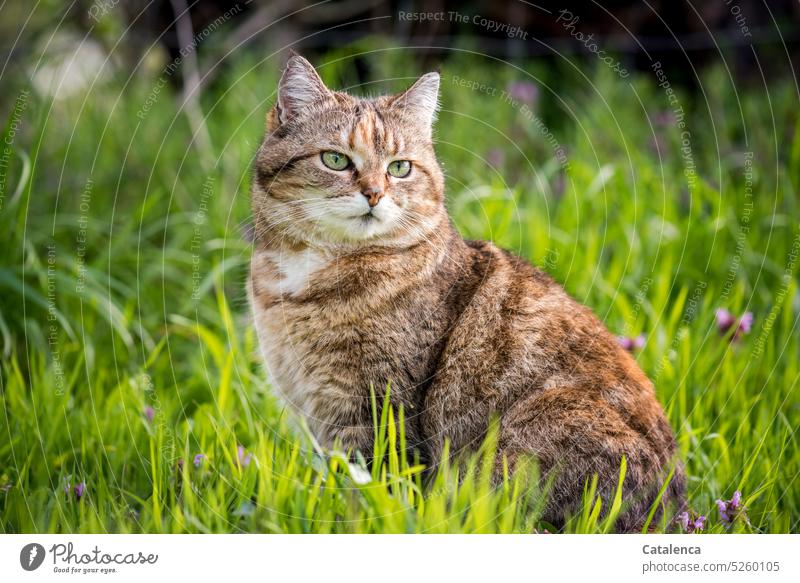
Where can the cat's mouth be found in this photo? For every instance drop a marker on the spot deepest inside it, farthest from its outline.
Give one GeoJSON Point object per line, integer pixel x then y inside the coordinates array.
{"type": "Point", "coordinates": [367, 217]}
{"type": "Point", "coordinates": [364, 223]}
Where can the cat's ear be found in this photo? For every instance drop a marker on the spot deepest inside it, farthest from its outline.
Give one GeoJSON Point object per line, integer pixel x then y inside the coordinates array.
{"type": "Point", "coordinates": [299, 87]}
{"type": "Point", "coordinates": [421, 100]}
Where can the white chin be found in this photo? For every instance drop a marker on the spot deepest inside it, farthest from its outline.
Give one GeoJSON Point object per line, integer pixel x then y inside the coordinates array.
{"type": "Point", "coordinates": [355, 224]}
{"type": "Point", "coordinates": [366, 227]}
{"type": "Point", "coordinates": [353, 229]}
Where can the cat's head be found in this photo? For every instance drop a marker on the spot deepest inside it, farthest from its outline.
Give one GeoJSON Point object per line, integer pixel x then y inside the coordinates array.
{"type": "Point", "coordinates": [342, 170]}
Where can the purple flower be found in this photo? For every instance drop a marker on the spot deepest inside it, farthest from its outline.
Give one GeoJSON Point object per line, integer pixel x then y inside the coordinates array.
{"type": "Point", "coordinates": [699, 523]}
{"type": "Point", "coordinates": [559, 184]}
{"type": "Point", "coordinates": [683, 521]}
{"type": "Point", "coordinates": [495, 157]}
{"type": "Point", "coordinates": [690, 523]}
{"type": "Point", "coordinates": [730, 510]}
{"type": "Point", "coordinates": [79, 490]}
{"type": "Point", "coordinates": [246, 508]}
{"type": "Point", "coordinates": [664, 118]}
{"type": "Point", "coordinates": [632, 344]}
{"type": "Point", "coordinates": [726, 321]}
{"type": "Point", "coordinates": [244, 457]}
{"type": "Point", "coordinates": [523, 91]}
{"type": "Point", "coordinates": [149, 414]}
{"type": "Point", "coordinates": [723, 511]}
{"type": "Point", "coordinates": [745, 323]}
{"type": "Point", "coordinates": [198, 460]}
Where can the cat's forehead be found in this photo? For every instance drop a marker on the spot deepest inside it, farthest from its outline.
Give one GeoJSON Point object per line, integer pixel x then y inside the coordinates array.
{"type": "Point", "coordinates": [350, 111]}
{"type": "Point", "coordinates": [367, 124]}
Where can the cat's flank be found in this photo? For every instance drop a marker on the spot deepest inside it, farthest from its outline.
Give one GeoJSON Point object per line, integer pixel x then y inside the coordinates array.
{"type": "Point", "coordinates": [359, 280]}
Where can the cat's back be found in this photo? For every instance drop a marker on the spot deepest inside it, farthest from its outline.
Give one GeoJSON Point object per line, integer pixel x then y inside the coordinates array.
{"type": "Point", "coordinates": [521, 332]}
{"type": "Point", "coordinates": [534, 315]}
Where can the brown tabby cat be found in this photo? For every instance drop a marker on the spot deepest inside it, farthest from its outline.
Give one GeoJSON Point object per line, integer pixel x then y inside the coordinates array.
{"type": "Point", "coordinates": [358, 279]}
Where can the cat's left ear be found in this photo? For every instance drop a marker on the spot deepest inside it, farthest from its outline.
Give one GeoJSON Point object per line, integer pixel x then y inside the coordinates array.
{"type": "Point", "coordinates": [300, 87]}
{"type": "Point", "coordinates": [421, 100]}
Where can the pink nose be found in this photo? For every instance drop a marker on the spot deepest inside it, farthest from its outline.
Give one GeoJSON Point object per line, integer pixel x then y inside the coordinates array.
{"type": "Point", "coordinates": [373, 193]}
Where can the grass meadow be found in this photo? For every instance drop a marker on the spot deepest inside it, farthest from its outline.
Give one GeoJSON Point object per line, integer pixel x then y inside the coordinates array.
{"type": "Point", "coordinates": [132, 395]}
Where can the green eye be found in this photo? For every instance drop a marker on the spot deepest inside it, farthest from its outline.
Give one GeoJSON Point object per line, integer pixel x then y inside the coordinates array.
{"type": "Point", "coordinates": [400, 168]}
{"type": "Point", "coordinates": [335, 160]}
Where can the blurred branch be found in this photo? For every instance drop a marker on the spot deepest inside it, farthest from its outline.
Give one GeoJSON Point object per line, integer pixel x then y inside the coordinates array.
{"type": "Point", "coordinates": [192, 82]}
{"type": "Point", "coordinates": [258, 21]}
{"type": "Point", "coordinates": [337, 12]}
{"type": "Point", "coordinates": [321, 14]}
{"type": "Point", "coordinates": [267, 15]}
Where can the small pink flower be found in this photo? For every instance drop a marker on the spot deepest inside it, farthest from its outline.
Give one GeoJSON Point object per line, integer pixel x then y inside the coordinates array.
{"type": "Point", "coordinates": [683, 521]}
{"type": "Point", "coordinates": [690, 522]}
{"type": "Point", "coordinates": [730, 510]}
{"type": "Point", "coordinates": [149, 414]}
{"type": "Point", "coordinates": [244, 456]}
{"type": "Point", "coordinates": [495, 157]}
{"type": "Point", "coordinates": [727, 321]}
{"type": "Point", "coordinates": [664, 118]}
{"type": "Point", "coordinates": [524, 91]}
{"type": "Point", "coordinates": [699, 523]}
{"type": "Point", "coordinates": [722, 507]}
{"type": "Point", "coordinates": [745, 323]}
{"type": "Point", "coordinates": [77, 491]}
{"type": "Point", "coordinates": [632, 344]}
{"type": "Point", "coordinates": [724, 320]}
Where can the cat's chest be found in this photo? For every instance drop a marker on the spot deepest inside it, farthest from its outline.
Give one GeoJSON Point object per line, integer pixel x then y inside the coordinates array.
{"type": "Point", "coordinates": [288, 331]}
{"type": "Point", "coordinates": [327, 341]}
{"type": "Point", "coordinates": [287, 274]}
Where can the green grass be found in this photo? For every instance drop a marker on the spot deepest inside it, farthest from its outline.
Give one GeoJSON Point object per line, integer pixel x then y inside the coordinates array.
{"type": "Point", "coordinates": [150, 311]}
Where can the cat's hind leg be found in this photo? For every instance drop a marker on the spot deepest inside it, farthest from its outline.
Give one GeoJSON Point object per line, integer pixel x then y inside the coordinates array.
{"type": "Point", "coordinates": [573, 438]}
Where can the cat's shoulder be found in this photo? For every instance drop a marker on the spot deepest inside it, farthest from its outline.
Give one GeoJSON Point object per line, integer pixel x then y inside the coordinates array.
{"type": "Point", "coordinates": [493, 257]}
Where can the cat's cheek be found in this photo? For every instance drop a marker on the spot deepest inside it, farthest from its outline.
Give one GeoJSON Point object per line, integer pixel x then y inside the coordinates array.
{"type": "Point", "coordinates": [399, 198]}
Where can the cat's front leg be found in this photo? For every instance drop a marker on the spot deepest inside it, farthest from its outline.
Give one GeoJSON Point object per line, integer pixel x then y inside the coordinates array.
{"type": "Point", "coordinates": [341, 420]}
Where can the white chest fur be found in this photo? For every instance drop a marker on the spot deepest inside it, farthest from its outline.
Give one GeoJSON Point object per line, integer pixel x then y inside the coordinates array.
{"type": "Point", "coordinates": [294, 270]}
{"type": "Point", "coordinates": [281, 327]}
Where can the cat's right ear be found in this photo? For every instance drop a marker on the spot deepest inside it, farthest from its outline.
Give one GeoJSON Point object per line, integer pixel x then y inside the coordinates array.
{"type": "Point", "coordinates": [421, 100]}
{"type": "Point", "coordinates": [299, 87]}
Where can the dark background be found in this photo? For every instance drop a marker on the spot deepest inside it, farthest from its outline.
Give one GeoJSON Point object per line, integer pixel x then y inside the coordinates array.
{"type": "Point", "coordinates": [680, 34]}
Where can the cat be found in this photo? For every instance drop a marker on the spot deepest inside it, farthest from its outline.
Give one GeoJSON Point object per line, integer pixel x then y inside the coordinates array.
{"type": "Point", "coordinates": [359, 280]}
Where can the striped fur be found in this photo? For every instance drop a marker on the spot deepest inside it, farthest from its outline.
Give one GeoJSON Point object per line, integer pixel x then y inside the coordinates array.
{"type": "Point", "coordinates": [462, 330]}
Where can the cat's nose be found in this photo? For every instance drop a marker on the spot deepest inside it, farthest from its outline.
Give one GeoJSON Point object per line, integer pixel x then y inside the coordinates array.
{"type": "Point", "coordinates": [374, 194]}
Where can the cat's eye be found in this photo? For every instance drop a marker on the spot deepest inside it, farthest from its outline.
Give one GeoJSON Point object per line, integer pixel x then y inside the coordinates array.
{"type": "Point", "coordinates": [335, 160]}
{"type": "Point", "coordinates": [399, 168]}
